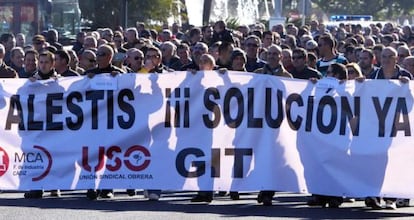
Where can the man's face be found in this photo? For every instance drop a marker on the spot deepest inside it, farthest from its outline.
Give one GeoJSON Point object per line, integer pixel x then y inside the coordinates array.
{"type": "Point", "coordinates": [89, 43]}
{"type": "Point", "coordinates": [323, 47]}
{"type": "Point", "coordinates": [11, 42]}
{"type": "Point", "coordinates": [329, 72]}
{"type": "Point", "coordinates": [175, 28]}
{"type": "Point", "coordinates": [88, 60]}
{"type": "Point", "coordinates": [208, 32]}
{"type": "Point", "coordinates": [18, 58]}
{"type": "Point", "coordinates": [197, 51]}
{"type": "Point", "coordinates": [103, 57]}
{"type": "Point", "coordinates": [286, 58]}
{"type": "Point", "coordinates": [377, 54]}
{"type": "Point", "coordinates": [227, 53]}
{"type": "Point", "coordinates": [401, 55]}
{"type": "Point", "coordinates": [196, 38]}
{"type": "Point", "coordinates": [60, 63]}
{"type": "Point", "coordinates": [279, 29]}
{"type": "Point", "coordinates": [45, 64]}
{"type": "Point", "coordinates": [107, 35]}
{"type": "Point", "coordinates": [167, 51]}
{"type": "Point", "coordinates": [274, 56]}
{"type": "Point", "coordinates": [30, 62]}
{"type": "Point", "coordinates": [365, 60]}
{"type": "Point", "coordinates": [130, 36]}
{"type": "Point", "coordinates": [39, 45]}
{"type": "Point", "coordinates": [298, 60]}
{"type": "Point", "coordinates": [251, 47]}
{"type": "Point", "coordinates": [183, 54]}
{"type": "Point", "coordinates": [74, 60]}
{"type": "Point", "coordinates": [153, 58]}
{"type": "Point", "coordinates": [388, 59]}
{"type": "Point", "coordinates": [20, 40]}
{"type": "Point", "coordinates": [408, 64]}
{"type": "Point", "coordinates": [238, 63]}
{"type": "Point", "coordinates": [135, 60]}
{"type": "Point", "coordinates": [213, 51]}
{"type": "Point", "coordinates": [267, 40]}
{"type": "Point", "coordinates": [118, 41]}
{"type": "Point", "coordinates": [205, 64]}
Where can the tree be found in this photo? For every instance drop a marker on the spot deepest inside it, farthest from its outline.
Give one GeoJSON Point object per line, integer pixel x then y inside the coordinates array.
{"type": "Point", "coordinates": [149, 10]}
{"type": "Point", "coordinates": [108, 13]}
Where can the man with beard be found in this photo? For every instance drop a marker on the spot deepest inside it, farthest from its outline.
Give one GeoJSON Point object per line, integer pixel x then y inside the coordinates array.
{"type": "Point", "coordinates": [366, 62]}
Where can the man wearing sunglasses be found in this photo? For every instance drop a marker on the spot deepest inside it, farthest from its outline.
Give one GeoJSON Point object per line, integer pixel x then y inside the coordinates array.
{"type": "Point", "coordinates": [104, 57]}
{"type": "Point", "coordinates": [251, 46]}
{"type": "Point", "coordinates": [300, 68]}
{"type": "Point", "coordinates": [104, 61]}
{"type": "Point", "coordinates": [197, 51]}
{"type": "Point", "coordinates": [87, 60]}
{"type": "Point", "coordinates": [62, 60]}
{"type": "Point", "coordinates": [153, 62]}
{"type": "Point", "coordinates": [134, 59]}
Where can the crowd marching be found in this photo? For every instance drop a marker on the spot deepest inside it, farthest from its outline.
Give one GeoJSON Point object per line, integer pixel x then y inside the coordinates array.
{"type": "Point", "coordinates": [313, 51]}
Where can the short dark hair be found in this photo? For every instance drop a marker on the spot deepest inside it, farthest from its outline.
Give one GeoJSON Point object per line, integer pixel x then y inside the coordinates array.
{"type": "Point", "coordinates": [31, 51]}
{"type": "Point", "coordinates": [14, 50]}
{"type": "Point", "coordinates": [63, 55]}
{"type": "Point", "coordinates": [224, 46]}
{"type": "Point", "coordinates": [369, 52]}
{"type": "Point", "coordinates": [5, 37]}
{"type": "Point", "coordinates": [48, 54]}
{"type": "Point", "coordinates": [339, 71]}
{"type": "Point", "coordinates": [194, 31]}
{"type": "Point", "coordinates": [301, 52]}
{"type": "Point", "coordinates": [327, 38]}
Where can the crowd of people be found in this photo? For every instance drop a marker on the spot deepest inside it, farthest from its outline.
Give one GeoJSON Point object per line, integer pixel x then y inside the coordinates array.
{"type": "Point", "coordinates": [313, 51]}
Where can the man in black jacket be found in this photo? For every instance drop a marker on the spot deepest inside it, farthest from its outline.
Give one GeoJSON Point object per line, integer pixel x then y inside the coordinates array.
{"type": "Point", "coordinates": [104, 57]}
{"type": "Point", "coordinates": [300, 68]}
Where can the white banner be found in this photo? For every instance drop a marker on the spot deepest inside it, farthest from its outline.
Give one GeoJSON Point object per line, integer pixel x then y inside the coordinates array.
{"type": "Point", "coordinates": [204, 131]}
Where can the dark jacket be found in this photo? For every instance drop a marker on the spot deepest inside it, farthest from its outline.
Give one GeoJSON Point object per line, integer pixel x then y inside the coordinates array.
{"type": "Point", "coordinates": [379, 74]}
{"type": "Point", "coordinates": [111, 68]}
{"type": "Point", "coordinates": [7, 72]}
{"type": "Point", "coordinates": [69, 72]}
{"type": "Point", "coordinates": [254, 64]}
{"type": "Point", "coordinates": [225, 35]}
{"type": "Point", "coordinates": [306, 73]}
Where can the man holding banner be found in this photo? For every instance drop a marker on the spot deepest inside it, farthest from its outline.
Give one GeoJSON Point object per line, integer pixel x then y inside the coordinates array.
{"type": "Point", "coordinates": [388, 70]}
{"type": "Point", "coordinates": [104, 57]}
{"type": "Point", "coordinates": [273, 67]}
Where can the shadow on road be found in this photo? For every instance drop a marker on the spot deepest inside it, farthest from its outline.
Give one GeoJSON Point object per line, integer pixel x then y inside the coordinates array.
{"type": "Point", "coordinates": [283, 206]}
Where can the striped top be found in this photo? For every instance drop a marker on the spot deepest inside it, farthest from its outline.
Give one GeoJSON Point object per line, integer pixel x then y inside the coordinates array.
{"type": "Point", "coordinates": [322, 65]}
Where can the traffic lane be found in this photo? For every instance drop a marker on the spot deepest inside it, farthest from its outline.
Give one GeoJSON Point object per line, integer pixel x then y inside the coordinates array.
{"type": "Point", "coordinates": [177, 205]}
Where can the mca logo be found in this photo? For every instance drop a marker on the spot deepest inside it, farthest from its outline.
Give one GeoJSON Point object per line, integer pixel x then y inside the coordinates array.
{"type": "Point", "coordinates": [4, 161]}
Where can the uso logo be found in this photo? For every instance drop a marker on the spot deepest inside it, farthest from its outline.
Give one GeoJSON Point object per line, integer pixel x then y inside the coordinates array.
{"type": "Point", "coordinates": [4, 161]}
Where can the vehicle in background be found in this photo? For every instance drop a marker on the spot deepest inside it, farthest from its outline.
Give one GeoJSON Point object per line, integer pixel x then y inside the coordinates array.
{"type": "Point", "coordinates": [363, 20]}
{"type": "Point", "coordinates": [31, 17]}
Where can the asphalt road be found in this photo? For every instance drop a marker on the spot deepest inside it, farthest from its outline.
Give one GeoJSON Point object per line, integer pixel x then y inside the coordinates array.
{"type": "Point", "coordinates": [176, 205]}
